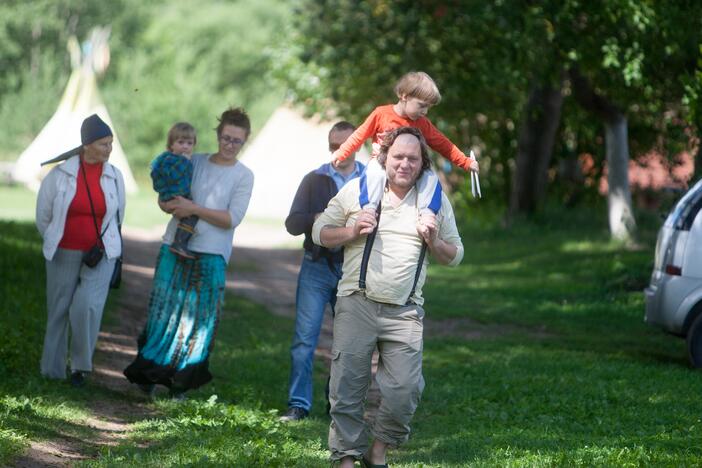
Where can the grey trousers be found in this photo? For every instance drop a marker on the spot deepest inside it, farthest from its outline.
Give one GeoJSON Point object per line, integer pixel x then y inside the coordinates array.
{"type": "Point", "coordinates": [75, 294]}
{"type": "Point", "coordinates": [359, 326]}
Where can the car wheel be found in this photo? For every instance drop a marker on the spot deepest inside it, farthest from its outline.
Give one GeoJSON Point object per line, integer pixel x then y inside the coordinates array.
{"type": "Point", "coordinates": [694, 343]}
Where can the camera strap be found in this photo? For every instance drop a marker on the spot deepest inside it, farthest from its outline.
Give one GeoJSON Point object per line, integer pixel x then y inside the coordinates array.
{"type": "Point", "coordinates": [92, 208]}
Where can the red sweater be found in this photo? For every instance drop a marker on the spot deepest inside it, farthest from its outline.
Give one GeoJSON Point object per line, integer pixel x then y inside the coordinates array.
{"type": "Point", "coordinates": [384, 119]}
{"type": "Point", "coordinates": [79, 233]}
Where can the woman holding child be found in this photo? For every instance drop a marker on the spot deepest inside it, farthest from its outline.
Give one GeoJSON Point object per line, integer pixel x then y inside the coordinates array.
{"type": "Point", "coordinates": [187, 293]}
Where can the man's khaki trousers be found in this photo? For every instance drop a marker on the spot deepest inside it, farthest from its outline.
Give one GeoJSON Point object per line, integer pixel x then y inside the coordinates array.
{"type": "Point", "coordinates": [359, 326]}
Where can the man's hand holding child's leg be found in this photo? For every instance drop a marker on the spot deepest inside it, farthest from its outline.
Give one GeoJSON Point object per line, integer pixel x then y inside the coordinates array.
{"type": "Point", "coordinates": [426, 224]}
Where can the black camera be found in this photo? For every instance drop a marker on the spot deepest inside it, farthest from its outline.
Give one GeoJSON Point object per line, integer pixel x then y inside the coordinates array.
{"type": "Point", "coordinates": [93, 256]}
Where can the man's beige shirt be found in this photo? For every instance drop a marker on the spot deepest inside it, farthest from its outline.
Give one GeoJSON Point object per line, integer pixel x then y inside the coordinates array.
{"type": "Point", "coordinates": [393, 261]}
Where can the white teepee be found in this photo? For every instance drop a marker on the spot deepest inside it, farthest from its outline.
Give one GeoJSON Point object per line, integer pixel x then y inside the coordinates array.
{"type": "Point", "coordinates": [80, 100]}
{"type": "Point", "coordinates": [287, 147]}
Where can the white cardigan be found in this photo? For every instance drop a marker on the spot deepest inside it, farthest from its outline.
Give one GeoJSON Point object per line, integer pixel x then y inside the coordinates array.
{"type": "Point", "coordinates": [56, 194]}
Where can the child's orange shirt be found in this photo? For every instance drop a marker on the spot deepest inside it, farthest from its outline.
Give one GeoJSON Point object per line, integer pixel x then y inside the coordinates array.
{"type": "Point", "coordinates": [384, 119]}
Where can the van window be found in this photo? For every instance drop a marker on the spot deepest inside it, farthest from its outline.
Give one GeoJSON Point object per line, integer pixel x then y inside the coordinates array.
{"type": "Point", "coordinates": [686, 210]}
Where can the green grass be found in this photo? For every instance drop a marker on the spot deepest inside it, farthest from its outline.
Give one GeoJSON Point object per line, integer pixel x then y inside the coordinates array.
{"type": "Point", "coordinates": [142, 211]}
{"type": "Point", "coordinates": [31, 407]}
{"type": "Point", "coordinates": [554, 368]}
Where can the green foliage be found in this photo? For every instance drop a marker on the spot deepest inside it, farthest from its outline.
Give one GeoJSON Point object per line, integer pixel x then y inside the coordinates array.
{"type": "Point", "coordinates": [190, 64]}
{"type": "Point", "coordinates": [486, 57]}
{"type": "Point", "coordinates": [33, 31]}
{"type": "Point", "coordinates": [35, 60]}
{"type": "Point", "coordinates": [170, 61]}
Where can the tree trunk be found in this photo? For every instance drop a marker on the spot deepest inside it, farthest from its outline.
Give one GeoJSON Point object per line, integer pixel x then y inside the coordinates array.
{"type": "Point", "coordinates": [621, 217]}
{"type": "Point", "coordinates": [698, 157]}
{"type": "Point", "coordinates": [619, 209]}
{"type": "Point", "coordinates": [535, 148]}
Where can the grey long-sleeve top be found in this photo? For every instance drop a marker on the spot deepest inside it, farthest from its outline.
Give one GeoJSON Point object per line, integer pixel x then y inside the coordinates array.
{"type": "Point", "coordinates": [219, 188]}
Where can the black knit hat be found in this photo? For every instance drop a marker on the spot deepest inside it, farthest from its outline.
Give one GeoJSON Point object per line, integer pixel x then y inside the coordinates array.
{"type": "Point", "coordinates": [92, 129]}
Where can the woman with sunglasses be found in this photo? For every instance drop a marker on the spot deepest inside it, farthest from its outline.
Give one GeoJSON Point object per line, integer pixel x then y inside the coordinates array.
{"type": "Point", "coordinates": [187, 294]}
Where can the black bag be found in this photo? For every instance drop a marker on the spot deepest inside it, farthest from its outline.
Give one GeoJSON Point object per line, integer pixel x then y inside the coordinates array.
{"type": "Point", "coordinates": [116, 279]}
{"type": "Point", "coordinates": [93, 256]}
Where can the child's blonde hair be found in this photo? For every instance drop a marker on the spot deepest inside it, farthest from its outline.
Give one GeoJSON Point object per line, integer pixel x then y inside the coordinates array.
{"type": "Point", "coordinates": [180, 130]}
{"type": "Point", "coordinates": [418, 85]}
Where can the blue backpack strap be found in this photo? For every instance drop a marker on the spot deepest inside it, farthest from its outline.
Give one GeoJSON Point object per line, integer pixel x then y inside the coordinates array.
{"type": "Point", "coordinates": [435, 203]}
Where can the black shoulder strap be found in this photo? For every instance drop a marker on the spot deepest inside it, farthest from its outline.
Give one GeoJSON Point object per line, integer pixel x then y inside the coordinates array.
{"type": "Point", "coordinates": [92, 208]}
{"type": "Point", "coordinates": [422, 254]}
{"type": "Point", "coordinates": [367, 250]}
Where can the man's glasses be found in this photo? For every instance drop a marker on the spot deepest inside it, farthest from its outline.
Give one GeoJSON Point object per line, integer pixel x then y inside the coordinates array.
{"type": "Point", "coordinates": [333, 147]}
{"type": "Point", "coordinates": [227, 140]}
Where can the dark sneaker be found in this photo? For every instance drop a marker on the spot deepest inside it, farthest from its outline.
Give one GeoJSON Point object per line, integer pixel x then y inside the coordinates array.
{"type": "Point", "coordinates": [77, 379]}
{"type": "Point", "coordinates": [294, 414]}
{"type": "Point", "coordinates": [147, 389]}
{"type": "Point", "coordinates": [178, 395]}
{"type": "Point", "coordinates": [366, 464]}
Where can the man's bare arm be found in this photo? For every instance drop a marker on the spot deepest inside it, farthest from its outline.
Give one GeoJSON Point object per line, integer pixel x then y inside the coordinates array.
{"type": "Point", "coordinates": [442, 251]}
{"type": "Point", "coordinates": [335, 236]}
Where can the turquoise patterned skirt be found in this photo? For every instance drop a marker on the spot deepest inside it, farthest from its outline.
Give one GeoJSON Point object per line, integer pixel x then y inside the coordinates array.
{"type": "Point", "coordinates": [184, 309]}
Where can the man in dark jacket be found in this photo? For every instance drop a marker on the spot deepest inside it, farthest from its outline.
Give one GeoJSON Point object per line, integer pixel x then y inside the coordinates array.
{"type": "Point", "coordinates": [320, 270]}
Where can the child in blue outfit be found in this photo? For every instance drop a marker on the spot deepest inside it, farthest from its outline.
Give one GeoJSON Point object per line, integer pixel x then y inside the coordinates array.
{"type": "Point", "coordinates": [171, 174]}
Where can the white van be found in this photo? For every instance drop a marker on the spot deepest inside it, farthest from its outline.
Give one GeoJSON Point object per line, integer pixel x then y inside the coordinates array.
{"type": "Point", "coordinates": [674, 297]}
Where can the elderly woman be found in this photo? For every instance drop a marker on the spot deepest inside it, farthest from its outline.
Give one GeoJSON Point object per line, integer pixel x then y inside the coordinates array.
{"type": "Point", "coordinates": [187, 294]}
{"type": "Point", "coordinates": [79, 210]}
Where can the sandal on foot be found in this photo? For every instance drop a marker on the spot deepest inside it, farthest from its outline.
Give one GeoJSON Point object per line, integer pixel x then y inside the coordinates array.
{"type": "Point", "coordinates": [367, 464]}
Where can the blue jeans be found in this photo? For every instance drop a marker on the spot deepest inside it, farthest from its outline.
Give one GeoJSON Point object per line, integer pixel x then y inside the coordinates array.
{"type": "Point", "coordinates": [316, 286]}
